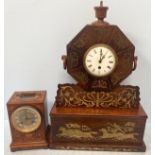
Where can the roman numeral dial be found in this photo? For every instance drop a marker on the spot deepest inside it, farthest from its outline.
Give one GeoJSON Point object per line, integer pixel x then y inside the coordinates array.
{"type": "Point", "coordinates": [100, 60]}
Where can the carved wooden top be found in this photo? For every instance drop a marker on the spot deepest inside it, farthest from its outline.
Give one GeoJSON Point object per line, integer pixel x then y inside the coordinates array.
{"type": "Point", "coordinates": [70, 95]}
{"type": "Point", "coordinates": [27, 97]}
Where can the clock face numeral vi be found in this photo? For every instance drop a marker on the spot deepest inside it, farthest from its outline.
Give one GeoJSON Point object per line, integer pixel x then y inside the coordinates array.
{"type": "Point", "coordinates": [100, 60]}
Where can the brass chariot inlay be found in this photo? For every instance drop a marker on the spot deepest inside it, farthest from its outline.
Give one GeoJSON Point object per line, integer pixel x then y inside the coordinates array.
{"type": "Point", "coordinates": [112, 131]}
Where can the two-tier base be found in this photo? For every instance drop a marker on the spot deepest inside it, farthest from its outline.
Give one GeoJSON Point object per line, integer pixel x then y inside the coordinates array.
{"type": "Point", "coordinates": [97, 129]}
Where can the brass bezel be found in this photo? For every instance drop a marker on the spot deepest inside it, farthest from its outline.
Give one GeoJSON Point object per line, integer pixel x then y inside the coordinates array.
{"type": "Point", "coordinates": [26, 130]}
{"type": "Point", "coordinates": [101, 45]}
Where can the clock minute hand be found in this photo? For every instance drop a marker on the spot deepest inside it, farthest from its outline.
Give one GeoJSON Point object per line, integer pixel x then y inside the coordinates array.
{"type": "Point", "coordinates": [100, 60]}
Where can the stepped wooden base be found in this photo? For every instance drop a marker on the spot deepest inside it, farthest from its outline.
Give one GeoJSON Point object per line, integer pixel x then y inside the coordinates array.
{"type": "Point", "coordinates": [98, 147]}
{"type": "Point", "coordinates": [15, 146]}
{"type": "Point", "coordinates": [28, 146]}
{"type": "Point", "coordinates": [97, 129]}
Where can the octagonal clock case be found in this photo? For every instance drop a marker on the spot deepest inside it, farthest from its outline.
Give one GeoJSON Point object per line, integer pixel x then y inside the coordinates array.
{"type": "Point", "coordinates": [98, 113]}
{"type": "Point", "coordinates": [100, 35]}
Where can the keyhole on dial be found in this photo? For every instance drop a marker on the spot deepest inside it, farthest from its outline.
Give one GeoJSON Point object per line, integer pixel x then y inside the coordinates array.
{"type": "Point", "coordinates": [99, 67]}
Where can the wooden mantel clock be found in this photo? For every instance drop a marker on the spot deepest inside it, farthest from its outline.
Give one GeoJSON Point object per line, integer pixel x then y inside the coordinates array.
{"type": "Point", "coordinates": [28, 120]}
{"type": "Point", "coordinates": [98, 113]}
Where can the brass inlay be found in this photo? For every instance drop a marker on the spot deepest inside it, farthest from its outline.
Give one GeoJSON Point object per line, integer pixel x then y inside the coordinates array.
{"type": "Point", "coordinates": [114, 131]}
{"type": "Point", "coordinates": [73, 60]}
{"type": "Point", "coordinates": [74, 96]}
{"type": "Point", "coordinates": [99, 84]}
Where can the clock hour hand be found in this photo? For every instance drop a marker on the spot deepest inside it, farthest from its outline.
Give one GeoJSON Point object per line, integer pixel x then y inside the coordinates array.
{"type": "Point", "coordinates": [103, 57]}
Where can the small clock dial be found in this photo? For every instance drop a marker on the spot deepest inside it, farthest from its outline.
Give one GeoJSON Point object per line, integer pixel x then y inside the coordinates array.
{"type": "Point", "coordinates": [100, 60]}
{"type": "Point", "coordinates": [26, 119]}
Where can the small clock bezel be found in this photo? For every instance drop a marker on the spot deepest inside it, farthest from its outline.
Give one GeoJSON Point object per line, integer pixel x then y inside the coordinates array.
{"type": "Point", "coordinates": [26, 130]}
{"type": "Point", "coordinates": [101, 45]}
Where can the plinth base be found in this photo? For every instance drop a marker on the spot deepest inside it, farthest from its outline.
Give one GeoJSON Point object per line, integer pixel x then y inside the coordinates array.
{"type": "Point", "coordinates": [26, 146]}
{"type": "Point", "coordinates": [98, 147]}
{"type": "Point", "coordinates": [97, 129]}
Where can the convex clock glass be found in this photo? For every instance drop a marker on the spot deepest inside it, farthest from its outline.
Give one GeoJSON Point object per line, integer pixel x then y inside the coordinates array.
{"type": "Point", "coordinates": [26, 119]}
{"type": "Point", "coordinates": [100, 60]}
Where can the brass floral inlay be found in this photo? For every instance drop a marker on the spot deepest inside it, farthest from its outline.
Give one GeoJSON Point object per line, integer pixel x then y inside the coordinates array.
{"type": "Point", "coordinates": [74, 96]}
{"type": "Point", "coordinates": [99, 84]}
{"type": "Point", "coordinates": [113, 131]}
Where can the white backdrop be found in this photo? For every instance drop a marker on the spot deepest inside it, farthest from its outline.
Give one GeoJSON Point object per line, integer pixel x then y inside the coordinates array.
{"type": "Point", "coordinates": [37, 31]}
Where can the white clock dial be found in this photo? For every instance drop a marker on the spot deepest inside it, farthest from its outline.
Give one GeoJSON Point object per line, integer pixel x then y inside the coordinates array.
{"type": "Point", "coordinates": [100, 60]}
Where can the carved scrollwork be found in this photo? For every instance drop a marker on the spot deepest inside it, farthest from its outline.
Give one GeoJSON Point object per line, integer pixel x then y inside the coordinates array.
{"type": "Point", "coordinates": [74, 96]}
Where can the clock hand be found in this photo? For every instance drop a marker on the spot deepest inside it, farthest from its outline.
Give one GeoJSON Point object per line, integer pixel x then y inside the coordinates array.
{"type": "Point", "coordinates": [29, 118]}
{"type": "Point", "coordinates": [100, 60]}
{"type": "Point", "coordinates": [103, 57]}
{"type": "Point", "coordinates": [25, 114]}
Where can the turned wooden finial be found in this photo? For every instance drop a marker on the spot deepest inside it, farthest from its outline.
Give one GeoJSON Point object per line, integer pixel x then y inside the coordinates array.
{"type": "Point", "coordinates": [101, 3]}
{"type": "Point", "coordinates": [101, 11]}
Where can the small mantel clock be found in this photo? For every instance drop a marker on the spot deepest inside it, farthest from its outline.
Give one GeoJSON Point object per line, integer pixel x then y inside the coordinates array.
{"type": "Point", "coordinates": [28, 120]}
{"type": "Point", "coordinates": [98, 113]}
